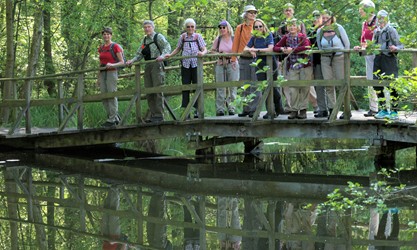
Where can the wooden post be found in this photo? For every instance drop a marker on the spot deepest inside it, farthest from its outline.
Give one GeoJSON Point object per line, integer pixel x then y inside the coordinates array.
{"type": "Point", "coordinates": [80, 93]}
{"type": "Point", "coordinates": [271, 217]}
{"type": "Point", "coordinates": [270, 79]}
{"type": "Point", "coordinates": [81, 199]}
{"type": "Point", "coordinates": [138, 93]}
{"type": "Point", "coordinates": [60, 106]}
{"type": "Point", "coordinates": [414, 59]}
{"type": "Point", "coordinates": [12, 208]}
{"type": "Point", "coordinates": [347, 111]}
{"type": "Point", "coordinates": [200, 82]}
{"type": "Point", "coordinates": [139, 207]}
{"type": "Point", "coordinates": [202, 208]}
{"type": "Point", "coordinates": [28, 93]}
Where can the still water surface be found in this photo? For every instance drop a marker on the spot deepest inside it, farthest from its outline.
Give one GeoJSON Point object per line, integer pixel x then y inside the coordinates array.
{"type": "Point", "coordinates": [125, 199]}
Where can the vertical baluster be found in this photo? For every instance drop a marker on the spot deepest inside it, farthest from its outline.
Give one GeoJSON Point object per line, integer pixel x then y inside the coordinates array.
{"type": "Point", "coordinates": [347, 111]}
{"type": "Point", "coordinates": [61, 105]}
{"type": "Point", "coordinates": [80, 93]}
{"type": "Point", "coordinates": [270, 79]}
{"type": "Point", "coordinates": [138, 82]}
{"type": "Point", "coordinates": [28, 118]}
{"type": "Point", "coordinates": [200, 89]}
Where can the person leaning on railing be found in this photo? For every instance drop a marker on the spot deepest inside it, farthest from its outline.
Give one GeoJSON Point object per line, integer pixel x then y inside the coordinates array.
{"type": "Point", "coordinates": [191, 44]}
{"type": "Point", "coordinates": [262, 41]}
{"type": "Point", "coordinates": [367, 10]}
{"type": "Point", "coordinates": [291, 44]}
{"type": "Point", "coordinates": [154, 47]}
{"type": "Point", "coordinates": [386, 63]}
{"type": "Point", "coordinates": [107, 78]}
{"type": "Point", "coordinates": [243, 33]}
{"type": "Point", "coordinates": [224, 70]}
{"type": "Point", "coordinates": [332, 36]}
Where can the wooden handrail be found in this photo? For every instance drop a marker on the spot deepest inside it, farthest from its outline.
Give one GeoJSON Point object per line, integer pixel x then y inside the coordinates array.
{"type": "Point", "coordinates": [138, 92]}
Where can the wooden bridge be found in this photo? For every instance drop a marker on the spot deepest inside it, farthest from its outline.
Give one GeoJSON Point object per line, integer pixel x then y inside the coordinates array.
{"type": "Point", "coordinates": [75, 93]}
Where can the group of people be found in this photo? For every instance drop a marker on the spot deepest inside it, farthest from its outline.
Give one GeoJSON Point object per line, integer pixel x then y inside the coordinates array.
{"type": "Point", "coordinates": [251, 38]}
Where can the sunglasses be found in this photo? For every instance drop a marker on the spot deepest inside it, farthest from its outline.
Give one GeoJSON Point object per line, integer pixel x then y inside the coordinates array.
{"type": "Point", "coordinates": [222, 27]}
{"type": "Point", "coordinates": [190, 27]}
{"type": "Point", "coordinates": [253, 12]}
{"type": "Point", "coordinates": [258, 27]}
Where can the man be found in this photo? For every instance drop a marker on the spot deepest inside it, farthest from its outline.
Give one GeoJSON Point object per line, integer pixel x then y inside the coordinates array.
{"type": "Point", "coordinates": [243, 34]}
{"type": "Point", "coordinates": [367, 10]}
{"type": "Point", "coordinates": [386, 63]}
{"type": "Point", "coordinates": [154, 47]}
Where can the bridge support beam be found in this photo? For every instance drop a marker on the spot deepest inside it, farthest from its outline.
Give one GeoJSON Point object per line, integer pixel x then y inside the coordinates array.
{"type": "Point", "coordinates": [385, 158]}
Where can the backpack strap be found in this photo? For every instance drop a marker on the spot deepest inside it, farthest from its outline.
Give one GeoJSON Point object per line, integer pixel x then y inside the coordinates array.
{"type": "Point", "coordinates": [193, 41]}
{"type": "Point", "coordinates": [218, 43]}
{"type": "Point", "coordinates": [112, 52]}
{"type": "Point", "coordinates": [155, 41]}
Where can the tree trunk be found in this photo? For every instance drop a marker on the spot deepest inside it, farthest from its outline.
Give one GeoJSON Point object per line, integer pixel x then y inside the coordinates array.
{"type": "Point", "coordinates": [33, 60]}
{"type": "Point", "coordinates": [11, 187]}
{"type": "Point", "coordinates": [49, 64]}
{"type": "Point", "coordinates": [9, 89]}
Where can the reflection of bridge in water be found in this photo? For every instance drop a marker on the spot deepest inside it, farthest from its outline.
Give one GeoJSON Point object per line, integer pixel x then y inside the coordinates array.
{"type": "Point", "coordinates": [72, 104]}
{"type": "Point", "coordinates": [171, 191]}
{"type": "Point", "coordinates": [91, 201]}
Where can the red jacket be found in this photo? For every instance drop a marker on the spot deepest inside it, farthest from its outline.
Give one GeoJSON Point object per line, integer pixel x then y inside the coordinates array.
{"type": "Point", "coordinates": [303, 44]}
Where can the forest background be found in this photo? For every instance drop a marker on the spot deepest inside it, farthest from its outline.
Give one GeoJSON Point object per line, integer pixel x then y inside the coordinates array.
{"type": "Point", "coordinates": [43, 37]}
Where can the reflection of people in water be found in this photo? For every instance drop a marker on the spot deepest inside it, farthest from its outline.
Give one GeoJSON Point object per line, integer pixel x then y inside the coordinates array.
{"type": "Point", "coordinates": [298, 220]}
{"type": "Point", "coordinates": [191, 235]}
{"type": "Point", "coordinates": [157, 233]}
{"type": "Point", "coordinates": [251, 221]}
{"type": "Point", "coordinates": [330, 224]}
{"type": "Point", "coordinates": [110, 224]}
{"type": "Point", "coordinates": [389, 229]}
{"type": "Point", "coordinates": [228, 219]}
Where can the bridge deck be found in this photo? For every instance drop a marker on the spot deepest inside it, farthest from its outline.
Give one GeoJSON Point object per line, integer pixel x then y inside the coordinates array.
{"type": "Point", "coordinates": [358, 127]}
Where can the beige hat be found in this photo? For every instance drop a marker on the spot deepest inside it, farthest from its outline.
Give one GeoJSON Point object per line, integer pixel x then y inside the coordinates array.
{"type": "Point", "coordinates": [249, 8]}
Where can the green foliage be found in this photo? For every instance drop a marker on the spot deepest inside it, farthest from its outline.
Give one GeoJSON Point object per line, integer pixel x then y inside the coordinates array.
{"type": "Point", "coordinates": [356, 197]}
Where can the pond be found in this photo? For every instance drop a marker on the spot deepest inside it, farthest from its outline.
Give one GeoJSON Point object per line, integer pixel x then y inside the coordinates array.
{"type": "Point", "coordinates": [113, 198]}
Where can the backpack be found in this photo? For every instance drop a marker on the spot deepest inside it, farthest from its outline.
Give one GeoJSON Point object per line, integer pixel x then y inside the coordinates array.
{"type": "Point", "coordinates": [193, 41]}
{"type": "Point", "coordinates": [337, 31]}
{"type": "Point", "coordinates": [218, 42]}
{"type": "Point", "coordinates": [147, 53]}
{"type": "Point", "coordinates": [388, 32]}
{"type": "Point", "coordinates": [113, 54]}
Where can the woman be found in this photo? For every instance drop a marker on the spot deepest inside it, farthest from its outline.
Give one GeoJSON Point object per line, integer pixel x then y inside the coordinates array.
{"type": "Point", "coordinates": [225, 71]}
{"type": "Point", "coordinates": [262, 41]}
{"type": "Point", "coordinates": [191, 44]}
{"type": "Point", "coordinates": [111, 56]}
{"type": "Point", "coordinates": [246, 72]}
{"type": "Point", "coordinates": [330, 37]}
{"type": "Point", "coordinates": [291, 44]}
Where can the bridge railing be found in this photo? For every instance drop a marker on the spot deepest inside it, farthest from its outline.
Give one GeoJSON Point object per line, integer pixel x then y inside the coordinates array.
{"type": "Point", "coordinates": [72, 105]}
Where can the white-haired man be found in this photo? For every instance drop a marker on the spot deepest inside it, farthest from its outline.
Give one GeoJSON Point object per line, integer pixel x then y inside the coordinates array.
{"type": "Point", "coordinates": [154, 47]}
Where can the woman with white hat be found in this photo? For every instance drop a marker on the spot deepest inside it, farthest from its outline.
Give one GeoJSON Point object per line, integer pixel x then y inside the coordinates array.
{"type": "Point", "coordinates": [224, 70]}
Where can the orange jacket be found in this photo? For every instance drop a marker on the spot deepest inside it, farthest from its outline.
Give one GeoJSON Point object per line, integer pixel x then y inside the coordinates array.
{"type": "Point", "coordinates": [243, 33]}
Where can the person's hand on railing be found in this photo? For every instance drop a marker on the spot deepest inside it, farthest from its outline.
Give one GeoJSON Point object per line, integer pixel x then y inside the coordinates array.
{"type": "Point", "coordinates": [393, 48]}
{"type": "Point", "coordinates": [159, 59]}
{"type": "Point", "coordinates": [200, 53]}
{"type": "Point", "coordinates": [287, 50]}
{"type": "Point", "coordinates": [109, 65]}
{"type": "Point", "coordinates": [129, 62]}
